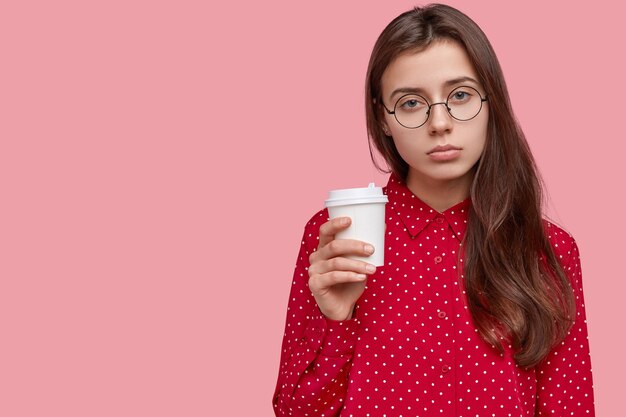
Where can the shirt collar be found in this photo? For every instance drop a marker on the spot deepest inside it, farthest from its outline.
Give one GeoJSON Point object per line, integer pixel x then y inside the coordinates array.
{"type": "Point", "coordinates": [415, 214]}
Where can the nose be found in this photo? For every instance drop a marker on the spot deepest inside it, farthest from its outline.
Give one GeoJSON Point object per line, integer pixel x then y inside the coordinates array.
{"type": "Point", "coordinates": [439, 120]}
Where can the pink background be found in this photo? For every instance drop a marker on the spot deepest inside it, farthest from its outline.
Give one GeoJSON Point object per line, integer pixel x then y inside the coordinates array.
{"type": "Point", "coordinates": [159, 160]}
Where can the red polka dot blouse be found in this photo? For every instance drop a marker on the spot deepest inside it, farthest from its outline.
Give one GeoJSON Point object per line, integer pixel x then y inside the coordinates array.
{"type": "Point", "coordinates": [411, 348]}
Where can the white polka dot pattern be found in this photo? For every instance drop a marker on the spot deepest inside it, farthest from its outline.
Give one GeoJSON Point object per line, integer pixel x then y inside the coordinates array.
{"type": "Point", "coordinates": [412, 349]}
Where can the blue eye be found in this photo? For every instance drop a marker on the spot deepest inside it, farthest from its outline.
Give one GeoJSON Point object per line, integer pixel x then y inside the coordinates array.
{"type": "Point", "coordinates": [460, 96]}
{"type": "Point", "coordinates": [411, 103]}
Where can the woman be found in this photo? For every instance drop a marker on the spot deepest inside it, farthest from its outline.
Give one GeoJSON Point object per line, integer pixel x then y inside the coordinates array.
{"type": "Point", "coordinates": [479, 308]}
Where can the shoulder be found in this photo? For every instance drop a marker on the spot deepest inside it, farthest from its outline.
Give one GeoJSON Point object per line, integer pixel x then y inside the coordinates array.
{"type": "Point", "coordinates": [562, 242]}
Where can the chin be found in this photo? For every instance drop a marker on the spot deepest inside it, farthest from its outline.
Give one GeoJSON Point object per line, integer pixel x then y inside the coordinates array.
{"type": "Point", "coordinates": [447, 174]}
{"type": "Point", "coordinates": [443, 179]}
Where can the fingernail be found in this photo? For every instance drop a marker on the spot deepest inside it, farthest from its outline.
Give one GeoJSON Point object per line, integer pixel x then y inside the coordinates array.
{"type": "Point", "coordinates": [369, 249]}
{"type": "Point", "coordinates": [345, 220]}
{"type": "Point", "coordinates": [361, 276]}
{"type": "Point", "coordinates": [370, 268]}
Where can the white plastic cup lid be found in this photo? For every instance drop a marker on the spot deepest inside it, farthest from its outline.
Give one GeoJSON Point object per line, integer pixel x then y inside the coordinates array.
{"type": "Point", "coordinates": [367, 195]}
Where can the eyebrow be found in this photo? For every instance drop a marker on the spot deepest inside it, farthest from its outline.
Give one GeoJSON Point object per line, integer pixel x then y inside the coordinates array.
{"type": "Point", "coordinates": [448, 83]}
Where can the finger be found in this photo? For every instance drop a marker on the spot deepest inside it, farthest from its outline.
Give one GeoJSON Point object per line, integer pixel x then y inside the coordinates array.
{"type": "Point", "coordinates": [342, 264]}
{"type": "Point", "coordinates": [345, 247]}
{"type": "Point", "coordinates": [329, 229]}
{"type": "Point", "coordinates": [340, 248]}
{"type": "Point", "coordinates": [321, 282]}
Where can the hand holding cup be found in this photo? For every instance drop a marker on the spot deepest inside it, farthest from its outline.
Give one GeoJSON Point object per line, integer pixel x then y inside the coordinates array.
{"type": "Point", "coordinates": [336, 281]}
{"type": "Point", "coordinates": [351, 246]}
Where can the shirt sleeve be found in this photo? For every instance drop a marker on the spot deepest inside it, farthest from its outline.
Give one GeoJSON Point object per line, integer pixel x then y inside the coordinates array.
{"type": "Point", "coordinates": [564, 381]}
{"type": "Point", "coordinates": [316, 352]}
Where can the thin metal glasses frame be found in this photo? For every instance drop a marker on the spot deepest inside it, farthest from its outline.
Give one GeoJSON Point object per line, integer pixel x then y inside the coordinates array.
{"type": "Point", "coordinates": [482, 100]}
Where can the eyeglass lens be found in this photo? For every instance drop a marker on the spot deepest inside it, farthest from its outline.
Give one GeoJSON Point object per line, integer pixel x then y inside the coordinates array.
{"type": "Point", "coordinates": [463, 103]}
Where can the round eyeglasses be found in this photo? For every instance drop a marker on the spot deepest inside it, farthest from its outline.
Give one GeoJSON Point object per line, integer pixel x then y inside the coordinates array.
{"type": "Point", "coordinates": [412, 110]}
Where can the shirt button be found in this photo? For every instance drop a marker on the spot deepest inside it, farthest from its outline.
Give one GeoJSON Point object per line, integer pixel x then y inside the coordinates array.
{"type": "Point", "coordinates": [445, 369]}
{"type": "Point", "coordinates": [441, 314]}
{"type": "Point", "coordinates": [438, 259]}
{"type": "Point", "coordinates": [439, 220]}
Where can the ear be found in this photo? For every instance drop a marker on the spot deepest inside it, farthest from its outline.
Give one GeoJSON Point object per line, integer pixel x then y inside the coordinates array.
{"type": "Point", "coordinates": [383, 124]}
{"type": "Point", "coordinates": [385, 128]}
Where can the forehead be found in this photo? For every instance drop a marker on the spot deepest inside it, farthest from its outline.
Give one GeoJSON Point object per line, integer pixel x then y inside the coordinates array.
{"type": "Point", "coordinates": [428, 69]}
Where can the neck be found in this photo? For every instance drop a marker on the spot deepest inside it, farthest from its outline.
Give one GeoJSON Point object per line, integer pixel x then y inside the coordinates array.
{"type": "Point", "coordinates": [440, 194]}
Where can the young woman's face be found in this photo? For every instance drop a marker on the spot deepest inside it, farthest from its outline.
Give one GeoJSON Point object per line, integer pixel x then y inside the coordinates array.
{"type": "Point", "coordinates": [433, 74]}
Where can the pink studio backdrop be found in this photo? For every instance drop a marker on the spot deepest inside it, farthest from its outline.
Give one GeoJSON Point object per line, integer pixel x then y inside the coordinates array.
{"type": "Point", "coordinates": [159, 160]}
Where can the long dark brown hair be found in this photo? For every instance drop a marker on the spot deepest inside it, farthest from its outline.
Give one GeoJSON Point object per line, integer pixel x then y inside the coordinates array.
{"type": "Point", "coordinates": [516, 288]}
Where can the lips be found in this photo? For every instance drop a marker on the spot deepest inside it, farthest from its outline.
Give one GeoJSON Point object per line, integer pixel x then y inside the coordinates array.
{"type": "Point", "coordinates": [443, 149]}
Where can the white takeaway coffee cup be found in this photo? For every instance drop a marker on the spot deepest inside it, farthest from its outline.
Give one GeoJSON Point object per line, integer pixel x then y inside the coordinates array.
{"type": "Point", "coordinates": [366, 208]}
